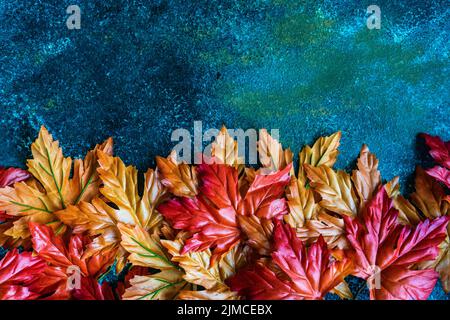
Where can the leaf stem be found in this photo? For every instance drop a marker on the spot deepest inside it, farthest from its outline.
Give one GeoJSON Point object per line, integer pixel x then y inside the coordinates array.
{"type": "Point", "coordinates": [154, 293]}
{"type": "Point", "coordinates": [54, 179]}
{"type": "Point", "coordinates": [154, 254]}
{"type": "Point", "coordinates": [29, 207]}
{"type": "Point", "coordinates": [83, 189]}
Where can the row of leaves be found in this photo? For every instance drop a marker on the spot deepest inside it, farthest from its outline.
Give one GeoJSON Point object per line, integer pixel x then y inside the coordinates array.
{"type": "Point", "coordinates": [220, 230]}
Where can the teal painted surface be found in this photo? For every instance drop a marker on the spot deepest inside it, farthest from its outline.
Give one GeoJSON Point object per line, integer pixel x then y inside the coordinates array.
{"type": "Point", "coordinates": [139, 69]}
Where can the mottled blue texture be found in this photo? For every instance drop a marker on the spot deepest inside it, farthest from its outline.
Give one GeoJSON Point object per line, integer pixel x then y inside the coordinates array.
{"type": "Point", "coordinates": [139, 69]}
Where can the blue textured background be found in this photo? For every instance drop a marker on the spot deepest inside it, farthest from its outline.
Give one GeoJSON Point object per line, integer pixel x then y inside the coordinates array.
{"type": "Point", "coordinates": [139, 69]}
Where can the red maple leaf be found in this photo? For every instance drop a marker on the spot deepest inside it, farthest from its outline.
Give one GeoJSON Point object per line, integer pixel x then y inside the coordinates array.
{"type": "Point", "coordinates": [385, 251]}
{"type": "Point", "coordinates": [18, 273]}
{"type": "Point", "coordinates": [63, 260]}
{"type": "Point", "coordinates": [440, 174]}
{"type": "Point", "coordinates": [90, 289]}
{"type": "Point", "coordinates": [308, 273]}
{"type": "Point", "coordinates": [9, 176]}
{"type": "Point", "coordinates": [440, 151]}
{"type": "Point", "coordinates": [212, 215]}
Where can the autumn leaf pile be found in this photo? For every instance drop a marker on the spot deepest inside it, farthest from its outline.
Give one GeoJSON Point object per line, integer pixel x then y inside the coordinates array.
{"type": "Point", "coordinates": [221, 230]}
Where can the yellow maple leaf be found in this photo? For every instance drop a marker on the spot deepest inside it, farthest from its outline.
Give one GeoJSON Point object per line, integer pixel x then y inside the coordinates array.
{"type": "Point", "coordinates": [335, 188]}
{"type": "Point", "coordinates": [301, 200]}
{"type": "Point", "coordinates": [121, 204]}
{"type": "Point", "coordinates": [207, 295]}
{"type": "Point", "coordinates": [258, 231]}
{"type": "Point", "coordinates": [145, 249]}
{"type": "Point", "coordinates": [164, 285]}
{"type": "Point", "coordinates": [53, 188]}
{"type": "Point", "coordinates": [179, 178]}
{"type": "Point", "coordinates": [271, 153]}
{"type": "Point", "coordinates": [225, 149]}
{"type": "Point", "coordinates": [367, 178]}
{"type": "Point", "coordinates": [198, 270]}
{"type": "Point", "coordinates": [323, 152]}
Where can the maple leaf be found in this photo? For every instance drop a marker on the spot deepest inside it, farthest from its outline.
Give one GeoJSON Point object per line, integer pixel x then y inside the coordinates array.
{"type": "Point", "coordinates": [179, 178]}
{"type": "Point", "coordinates": [323, 152]}
{"type": "Point", "coordinates": [306, 273]}
{"type": "Point", "coordinates": [306, 214]}
{"type": "Point", "coordinates": [54, 250]}
{"type": "Point", "coordinates": [335, 188]}
{"type": "Point", "coordinates": [429, 200]}
{"type": "Point", "coordinates": [383, 248]}
{"type": "Point", "coordinates": [213, 215]}
{"type": "Point", "coordinates": [9, 176]}
{"type": "Point", "coordinates": [145, 249]}
{"type": "Point", "coordinates": [367, 178]}
{"type": "Point", "coordinates": [198, 269]}
{"type": "Point", "coordinates": [164, 285]}
{"type": "Point", "coordinates": [271, 154]}
{"type": "Point", "coordinates": [330, 227]}
{"type": "Point", "coordinates": [52, 189]}
{"type": "Point", "coordinates": [60, 256]}
{"type": "Point", "coordinates": [440, 151]}
{"type": "Point", "coordinates": [224, 149]}
{"type": "Point", "coordinates": [336, 195]}
{"type": "Point", "coordinates": [18, 271]}
{"type": "Point", "coordinates": [90, 289]}
{"type": "Point", "coordinates": [301, 202]}
{"type": "Point", "coordinates": [121, 204]}
{"type": "Point", "coordinates": [213, 222]}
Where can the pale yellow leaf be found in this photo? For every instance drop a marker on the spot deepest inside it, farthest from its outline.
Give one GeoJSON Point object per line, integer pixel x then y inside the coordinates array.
{"type": "Point", "coordinates": [145, 249]}
{"type": "Point", "coordinates": [207, 295]}
{"type": "Point", "coordinates": [335, 188]}
{"type": "Point", "coordinates": [152, 196]}
{"type": "Point", "coordinates": [225, 149]}
{"type": "Point", "coordinates": [302, 206]}
{"type": "Point", "coordinates": [50, 167]}
{"type": "Point", "coordinates": [331, 228]}
{"type": "Point", "coordinates": [179, 178]}
{"type": "Point", "coordinates": [271, 153]}
{"type": "Point", "coordinates": [367, 178]}
{"type": "Point", "coordinates": [197, 266]}
{"type": "Point", "coordinates": [323, 152]}
{"type": "Point", "coordinates": [164, 285]}
{"type": "Point", "coordinates": [85, 182]}
{"type": "Point", "coordinates": [119, 186]}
